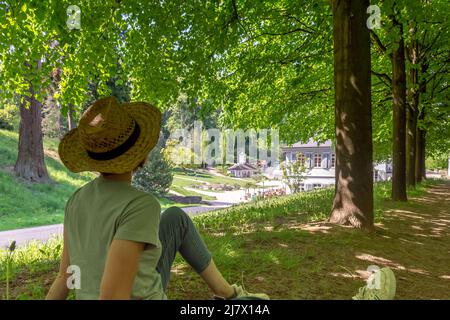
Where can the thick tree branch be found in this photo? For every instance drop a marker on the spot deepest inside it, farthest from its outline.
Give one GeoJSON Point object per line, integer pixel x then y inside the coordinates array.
{"type": "Point", "coordinates": [378, 42]}
{"type": "Point", "coordinates": [235, 16]}
{"type": "Point", "coordinates": [383, 77]}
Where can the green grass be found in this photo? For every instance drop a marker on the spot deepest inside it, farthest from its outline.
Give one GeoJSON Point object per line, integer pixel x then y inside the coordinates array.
{"type": "Point", "coordinates": [307, 206]}
{"type": "Point", "coordinates": [213, 179]}
{"type": "Point", "coordinates": [260, 246]}
{"type": "Point", "coordinates": [186, 178]}
{"type": "Point", "coordinates": [178, 185]}
{"type": "Point", "coordinates": [25, 204]}
{"type": "Point", "coordinates": [185, 192]}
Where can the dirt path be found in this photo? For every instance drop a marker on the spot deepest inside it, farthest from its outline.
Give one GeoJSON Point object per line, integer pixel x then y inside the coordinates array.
{"type": "Point", "coordinates": [323, 261]}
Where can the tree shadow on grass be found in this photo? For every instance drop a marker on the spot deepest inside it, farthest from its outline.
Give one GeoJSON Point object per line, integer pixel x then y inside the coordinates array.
{"type": "Point", "coordinates": [323, 261]}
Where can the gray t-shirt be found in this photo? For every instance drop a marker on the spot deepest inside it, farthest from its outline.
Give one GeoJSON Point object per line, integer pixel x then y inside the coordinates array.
{"type": "Point", "coordinates": [104, 210]}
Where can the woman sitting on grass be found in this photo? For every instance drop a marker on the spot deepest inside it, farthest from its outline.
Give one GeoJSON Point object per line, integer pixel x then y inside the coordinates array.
{"type": "Point", "coordinates": [114, 234]}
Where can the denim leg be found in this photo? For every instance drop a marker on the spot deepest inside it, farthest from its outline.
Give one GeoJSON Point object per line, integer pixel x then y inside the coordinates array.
{"type": "Point", "coordinates": [177, 233]}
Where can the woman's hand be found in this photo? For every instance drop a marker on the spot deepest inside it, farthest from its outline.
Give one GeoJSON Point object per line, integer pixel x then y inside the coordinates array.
{"type": "Point", "coordinates": [120, 270]}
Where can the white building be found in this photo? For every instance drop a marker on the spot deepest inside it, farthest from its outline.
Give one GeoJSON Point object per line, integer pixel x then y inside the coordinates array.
{"type": "Point", "coordinates": [320, 160]}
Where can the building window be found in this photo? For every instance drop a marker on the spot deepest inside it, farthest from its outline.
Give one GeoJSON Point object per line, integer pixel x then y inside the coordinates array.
{"type": "Point", "coordinates": [333, 160]}
{"type": "Point", "coordinates": [317, 160]}
{"type": "Point", "coordinates": [317, 186]}
{"type": "Point", "coordinates": [301, 157]}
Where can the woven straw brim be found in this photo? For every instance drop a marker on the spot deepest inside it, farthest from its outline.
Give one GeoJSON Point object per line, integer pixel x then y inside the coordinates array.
{"type": "Point", "coordinates": [76, 158]}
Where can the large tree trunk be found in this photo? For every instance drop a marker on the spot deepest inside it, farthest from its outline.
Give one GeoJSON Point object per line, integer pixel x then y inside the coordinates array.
{"type": "Point", "coordinates": [353, 202]}
{"type": "Point", "coordinates": [30, 164]}
{"type": "Point", "coordinates": [413, 109]}
{"type": "Point", "coordinates": [399, 118]}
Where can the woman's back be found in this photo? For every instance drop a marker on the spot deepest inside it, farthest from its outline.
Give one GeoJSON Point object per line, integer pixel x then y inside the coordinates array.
{"type": "Point", "coordinates": [104, 210]}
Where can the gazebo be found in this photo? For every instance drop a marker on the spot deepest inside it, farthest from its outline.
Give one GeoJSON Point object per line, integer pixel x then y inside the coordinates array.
{"type": "Point", "coordinates": [242, 170]}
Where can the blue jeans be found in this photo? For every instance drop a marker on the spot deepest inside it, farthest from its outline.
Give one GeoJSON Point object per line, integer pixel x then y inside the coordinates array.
{"type": "Point", "coordinates": [177, 233]}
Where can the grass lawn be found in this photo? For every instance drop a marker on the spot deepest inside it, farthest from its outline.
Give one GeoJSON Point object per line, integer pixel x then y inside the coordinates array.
{"type": "Point", "coordinates": [291, 254]}
{"type": "Point", "coordinates": [190, 178]}
{"type": "Point", "coordinates": [185, 192]}
{"type": "Point", "coordinates": [178, 185]}
{"type": "Point", "coordinates": [213, 179]}
{"type": "Point", "coordinates": [282, 247]}
{"type": "Point", "coordinates": [25, 204]}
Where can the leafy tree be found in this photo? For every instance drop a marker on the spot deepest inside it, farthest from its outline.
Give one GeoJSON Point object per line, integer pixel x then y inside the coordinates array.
{"type": "Point", "coordinates": [293, 175]}
{"type": "Point", "coordinates": [437, 162]}
{"type": "Point", "coordinates": [421, 26]}
{"type": "Point", "coordinates": [263, 64]}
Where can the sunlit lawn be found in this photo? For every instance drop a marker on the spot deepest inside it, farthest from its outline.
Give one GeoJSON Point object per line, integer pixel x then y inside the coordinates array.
{"type": "Point", "coordinates": [26, 205]}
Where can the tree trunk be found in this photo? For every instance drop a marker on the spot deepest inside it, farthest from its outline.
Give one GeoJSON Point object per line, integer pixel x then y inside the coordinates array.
{"type": "Point", "coordinates": [30, 164]}
{"type": "Point", "coordinates": [71, 123]}
{"type": "Point", "coordinates": [353, 202]}
{"type": "Point", "coordinates": [420, 132]}
{"type": "Point", "coordinates": [420, 155]}
{"type": "Point", "coordinates": [411, 130]}
{"type": "Point", "coordinates": [420, 146]}
{"type": "Point", "coordinates": [413, 108]}
{"type": "Point", "coordinates": [399, 118]}
{"type": "Point", "coordinates": [60, 122]}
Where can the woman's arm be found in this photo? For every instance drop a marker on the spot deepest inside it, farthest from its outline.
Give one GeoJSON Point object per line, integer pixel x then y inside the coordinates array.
{"type": "Point", "coordinates": [59, 289]}
{"type": "Point", "coordinates": [120, 270]}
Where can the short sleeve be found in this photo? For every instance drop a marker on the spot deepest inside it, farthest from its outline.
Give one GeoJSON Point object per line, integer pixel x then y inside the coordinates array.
{"type": "Point", "coordinates": [140, 221]}
{"type": "Point", "coordinates": [67, 207]}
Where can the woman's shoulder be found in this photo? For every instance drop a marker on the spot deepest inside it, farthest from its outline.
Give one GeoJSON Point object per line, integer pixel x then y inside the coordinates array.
{"type": "Point", "coordinates": [79, 190]}
{"type": "Point", "coordinates": [144, 199]}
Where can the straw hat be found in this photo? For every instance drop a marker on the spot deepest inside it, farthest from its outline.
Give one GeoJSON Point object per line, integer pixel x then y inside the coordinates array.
{"type": "Point", "coordinates": [111, 137]}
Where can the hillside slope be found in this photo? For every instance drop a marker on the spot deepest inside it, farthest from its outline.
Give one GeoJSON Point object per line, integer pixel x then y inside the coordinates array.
{"type": "Point", "coordinates": [24, 204]}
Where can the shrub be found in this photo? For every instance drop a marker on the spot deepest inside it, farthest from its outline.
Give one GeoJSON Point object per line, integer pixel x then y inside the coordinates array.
{"type": "Point", "coordinates": [7, 115]}
{"type": "Point", "coordinates": [156, 176]}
